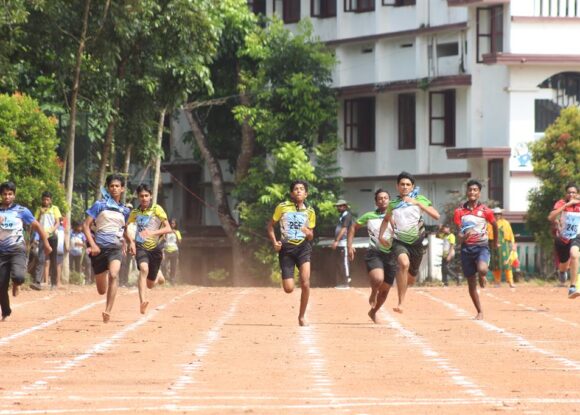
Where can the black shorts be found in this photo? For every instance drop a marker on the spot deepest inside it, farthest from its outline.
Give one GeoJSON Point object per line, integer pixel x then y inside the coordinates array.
{"type": "Point", "coordinates": [383, 260]}
{"type": "Point", "coordinates": [291, 256]}
{"type": "Point", "coordinates": [563, 248]}
{"type": "Point", "coordinates": [101, 262]}
{"type": "Point", "coordinates": [414, 252]}
{"type": "Point", "coordinates": [471, 255]}
{"type": "Point", "coordinates": [13, 264]}
{"type": "Point", "coordinates": [152, 258]}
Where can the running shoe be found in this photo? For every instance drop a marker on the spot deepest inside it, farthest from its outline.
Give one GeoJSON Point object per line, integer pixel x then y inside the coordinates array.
{"type": "Point", "coordinates": [36, 286]}
{"type": "Point", "coordinates": [573, 293]}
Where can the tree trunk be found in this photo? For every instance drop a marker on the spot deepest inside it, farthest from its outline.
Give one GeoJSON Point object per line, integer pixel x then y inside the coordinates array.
{"type": "Point", "coordinates": [72, 134]}
{"type": "Point", "coordinates": [217, 182]}
{"type": "Point", "coordinates": [159, 146]}
{"type": "Point", "coordinates": [126, 165]}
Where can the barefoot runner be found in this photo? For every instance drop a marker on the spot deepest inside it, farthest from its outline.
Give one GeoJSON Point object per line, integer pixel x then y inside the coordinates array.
{"type": "Point", "coordinates": [297, 221]}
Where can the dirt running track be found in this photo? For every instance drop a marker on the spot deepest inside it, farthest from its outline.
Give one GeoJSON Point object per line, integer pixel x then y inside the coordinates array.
{"type": "Point", "coordinates": [240, 351]}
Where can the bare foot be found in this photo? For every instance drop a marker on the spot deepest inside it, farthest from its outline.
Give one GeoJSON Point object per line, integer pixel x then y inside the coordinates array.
{"type": "Point", "coordinates": [479, 316]}
{"type": "Point", "coordinates": [373, 297]}
{"type": "Point", "coordinates": [398, 309]}
{"type": "Point", "coordinates": [512, 285]}
{"type": "Point", "coordinates": [482, 281]}
{"type": "Point", "coordinates": [143, 307]}
{"type": "Point", "coordinates": [373, 315]}
{"type": "Point", "coordinates": [302, 321]}
{"type": "Point", "coordinates": [106, 317]}
{"type": "Point", "coordinates": [4, 318]}
{"type": "Point", "coordinates": [15, 289]}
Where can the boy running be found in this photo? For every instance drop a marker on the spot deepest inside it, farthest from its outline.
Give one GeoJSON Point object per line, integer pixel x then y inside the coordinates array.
{"type": "Point", "coordinates": [472, 218]}
{"type": "Point", "coordinates": [107, 218]}
{"type": "Point", "coordinates": [151, 221]}
{"type": "Point", "coordinates": [381, 265]}
{"type": "Point", "coordinates": [13, 218]}
{"type": "Point", "coordinates": [566, 215]}
{"type": "Point", "coordinates": [405, 214]}
{"type": "Point", "coordinates": [297, 221]}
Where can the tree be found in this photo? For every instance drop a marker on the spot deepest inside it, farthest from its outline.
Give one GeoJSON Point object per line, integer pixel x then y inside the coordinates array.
{"type": "Point", "coordinates": [556, 162]}
{"type": "Point", "coordinates": [28, 146]}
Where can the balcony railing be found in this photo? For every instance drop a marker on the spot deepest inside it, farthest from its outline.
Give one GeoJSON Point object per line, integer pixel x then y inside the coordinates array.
{"type": "Point", "coordinates": [557, 8]}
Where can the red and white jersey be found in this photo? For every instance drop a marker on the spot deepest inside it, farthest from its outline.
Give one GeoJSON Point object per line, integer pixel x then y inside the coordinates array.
{"type": "Point", "coordinates": [568, 222]}
{"type": "Point", "coordinates": [473, 222]}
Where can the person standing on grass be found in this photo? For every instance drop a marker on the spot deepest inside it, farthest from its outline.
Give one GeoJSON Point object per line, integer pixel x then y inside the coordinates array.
{"type": "Point", "coordinates": [297, 221]}
{"type": "Point", "coordinates": [49, 216]}
{"type": "Point", "coordinates": [381, 264]}
{"type": "Point", "coordinates": [566, 216]}
{"type": "Point", "coordinates": [151, 221]}
{"type": "Point", "coordinates": [405, 214]}
{"type": "Point", "coordinates": [107, 218]}
{"type": "Point", "coordinates": [13, 218]}
{"type": "Point", "coordinates": [472, 218]}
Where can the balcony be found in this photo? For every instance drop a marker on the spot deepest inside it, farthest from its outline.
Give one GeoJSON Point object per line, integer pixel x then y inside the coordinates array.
{"type": "Point", "coordinates": [476, 3]}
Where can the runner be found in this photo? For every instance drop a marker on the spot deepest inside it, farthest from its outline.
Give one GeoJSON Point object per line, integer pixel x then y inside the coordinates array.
{"type": "Point", "coordinates": [472, 218]}
{"type": "Point", "coordinates": [566, 216]}
{"type": "Point", "coordinates": [405, 215]}
{"type": "Point", "coordinates": [297, 221]}
{"type": "Point", "coordinates": [13, 217]}
{"type": "Point", "coordinates": [108, 218]}
{"type": "Point", "coordinates": [151, 221]}
{"type": "Point", "coordinates": [381, 264]}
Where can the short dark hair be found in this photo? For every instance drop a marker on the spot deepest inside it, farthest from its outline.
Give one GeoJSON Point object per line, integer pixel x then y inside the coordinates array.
{"type": "Point", "coordinates": [143, 188]}
{"type": "Point", "coordinates": [381, 191]}
{"type": "Point", "coordinates": [474, 182]}
{"type": "Point", "coordinates": [295, 182]}
{"type": "Point", "coordinates": [46, 193]}
{"type": "Point", "coordinates": [115, 176]}
{"type": "Point", "coordinates": [405, 175]}
{"type": "Point", "coordinates": [571, 184]}
{"type": "Point", "coordinates": [8, 186]}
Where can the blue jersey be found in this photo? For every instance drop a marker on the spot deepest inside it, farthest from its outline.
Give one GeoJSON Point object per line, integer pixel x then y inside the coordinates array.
{"type": "Point", "coordinates": [110, 219]}
{"type": "Point", "coordinates": [12, 221]}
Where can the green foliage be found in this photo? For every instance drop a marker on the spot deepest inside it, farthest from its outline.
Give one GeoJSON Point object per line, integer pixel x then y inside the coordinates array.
{"type": "Point", "coordinates": [556, 162]}
{"type": "Point", "coordinates": [27, 144]}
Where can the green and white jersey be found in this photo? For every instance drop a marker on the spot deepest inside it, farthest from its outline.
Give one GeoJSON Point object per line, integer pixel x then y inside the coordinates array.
{"type": "Point", "coordinates": [373, 220]}
{"type": "Point", "coordinates": [407, 219]}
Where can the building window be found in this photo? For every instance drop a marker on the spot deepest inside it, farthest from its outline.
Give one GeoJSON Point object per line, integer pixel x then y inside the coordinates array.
{"type": "Point", "coordinates": [399, 3]}
{"type": "Point", "coordinates": [359, 6]}
{"type": "Point", "coordinates": [442, 118]}
{"type": "Point", "coordinates": [257, 6]}
{"type": "Point", "coordinates": [495, 170]}
{"type": "Point", "coordinates": [359, 124]}
{"type": "Point", "coordinates": [290, 10]}
{"type": "Point", "coordinates": [407, 121]}
{"type": "Point", "coordinates": [489, 31]}
{"type": "Point", "coordinates": [323, 8]}
{"type": "Point", "coordinates": [546, 112]}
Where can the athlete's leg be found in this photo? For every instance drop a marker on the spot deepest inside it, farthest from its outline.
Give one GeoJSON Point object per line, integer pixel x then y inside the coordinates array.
{"type": "Point", "coordinates": [376, 278]}
{"type": "Point", "coordinates": [305, 294]}
{"type": "Point", "coordinates": [402, 277]}
{"type": "Point", "coordinates": [574, 259]}
{"type": "Point", "coordinates": [114, 267]}
{"type": "Point", "coordinates": [472, 284]}
{"type": "Point", "coordinates": [142, 285]}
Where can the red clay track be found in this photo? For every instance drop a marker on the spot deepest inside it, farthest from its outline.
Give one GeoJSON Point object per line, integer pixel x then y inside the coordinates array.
{"type": "Point", "coordinates": [237, 351]}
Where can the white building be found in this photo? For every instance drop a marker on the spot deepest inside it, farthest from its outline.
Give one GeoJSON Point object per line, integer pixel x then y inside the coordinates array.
{"type": "Point", "coordinates": [445, 89]}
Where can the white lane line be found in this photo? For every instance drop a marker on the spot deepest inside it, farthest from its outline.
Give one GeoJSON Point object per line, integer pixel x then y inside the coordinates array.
{"type": "Point", "coordinates": [520, 341]}
{"type": "Point", "coordinates": [334, 404]}
{"type": "Point", "coordinates": [537, 310]}
{"type": "Point", "coordinates": [468, 385]}
{"type": "Point", "coordinates": [202, 349]}
{"type": "Point", "coordinates": [8, 339]}
{"type": "Point", "coordinates": [321, 383]}
{"type": "Point", "coordinates": [102, 347]}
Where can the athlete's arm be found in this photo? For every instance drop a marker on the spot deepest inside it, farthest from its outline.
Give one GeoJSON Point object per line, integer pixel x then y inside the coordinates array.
{"type": "Point", "coordinates": [272, 236]}
{"type": "Point", "coordinates": [384, 226]}
{"type": "Point", "coordinates": [352, 230]}
{"type": "Point", "coordinates": [95, 250]}
{"type": "Point", "coordinates": [36, 226]}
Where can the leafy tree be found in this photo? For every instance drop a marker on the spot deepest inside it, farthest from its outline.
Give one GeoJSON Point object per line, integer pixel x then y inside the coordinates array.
{"type": "Point", "coordinates": [28, 150]}
{"type": "Point", "coordinates": [556, 162]}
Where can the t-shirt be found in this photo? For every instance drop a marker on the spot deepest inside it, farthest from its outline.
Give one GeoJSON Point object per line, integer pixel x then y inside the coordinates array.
{"type": "Point", "coordinates": [373, 220]}
{"type": "Point", "coordinates": [448, 242]}
{"type": "Point", "coordinates": [569, 221]}
{"type": "Point", "coordinates": [171, 241]}
{"type": "Point", "coordinates": [77, 243]}
{"type": "Point", "coordinates": [149, 219]}
{"type": "Point", "coordinates": [48, 218]}
{"type": "Point", "coordinates": [345, 221]}
{"type": "Point", "coordinates": [110, 218]}
{"type": "Point", "coordinates": [292, 220]}
{"type": "Point", "coordinates": [475, 220]}
{"type": "Point", "coordinates": [407, 219]}
{"type": "Point", "coordinates": [12, 221]}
